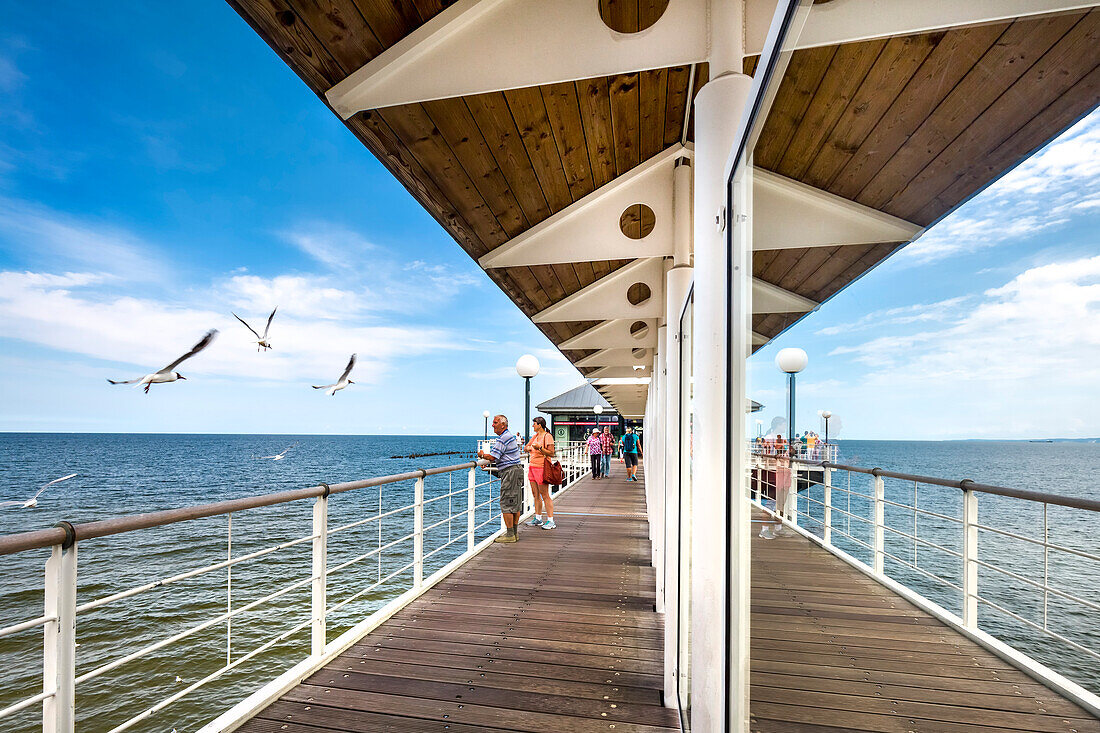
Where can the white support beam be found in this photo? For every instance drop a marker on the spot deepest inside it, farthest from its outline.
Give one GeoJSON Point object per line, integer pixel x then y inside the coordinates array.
{"type": "Point", "coordinates": [789, 214]}
{"type": "Point", "coordinates": [848, 21]}
{"type": "Point", "coordinates": [606, 298]}
{"type": "Point", "coordinates": [617, 357]}
{"type": "Point", "coordinates": [621, 371]}
{"type": "Point", "coordinates": [615, 334]}
{"type": "Point", "coordinates": [769, 298]}
{"type": "Point", "coordinates": [478, 46]}
{"type": "Point", "coordinates": [588, 230]}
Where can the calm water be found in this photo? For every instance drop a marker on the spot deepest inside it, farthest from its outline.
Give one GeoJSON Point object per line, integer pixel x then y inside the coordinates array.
{"type": "Point", "coordinates": [122, 474]}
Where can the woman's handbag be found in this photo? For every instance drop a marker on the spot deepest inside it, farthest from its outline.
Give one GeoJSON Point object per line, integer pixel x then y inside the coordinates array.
{"type": "Point", "coordinates": [553, 475]}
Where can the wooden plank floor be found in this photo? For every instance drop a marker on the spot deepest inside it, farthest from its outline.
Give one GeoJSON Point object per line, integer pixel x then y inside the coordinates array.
{"type": "Point", "coordinates": [832, 651]}
{"type": "Point", "coordinates": [555, 633]}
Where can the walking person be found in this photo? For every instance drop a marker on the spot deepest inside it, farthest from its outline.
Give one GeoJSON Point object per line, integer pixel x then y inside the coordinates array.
{"type": "Point", "coordinates": [595, 453]}
{"type": "Point", "coordinates": [504, 454]}
{"type": "Point", "coordinates": [782, 491]}
{"type": "Point", "coordinates": [632, 452]}
{"type": "Point", "coordinates": [539, 450]}
{"type": "Point", "coordinates": [607, 446]}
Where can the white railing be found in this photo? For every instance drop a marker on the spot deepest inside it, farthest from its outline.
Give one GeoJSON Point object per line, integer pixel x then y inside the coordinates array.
{"type": "Point", "coordinates": [469, 507]}
{"type": "Point", "coordinates": [925, 534]}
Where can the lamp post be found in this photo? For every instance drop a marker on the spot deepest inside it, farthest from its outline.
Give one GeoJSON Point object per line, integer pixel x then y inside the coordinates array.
{"type": "Point", "coordinates": [486, 416]}
{"type": "Point", "coordinates": [598, 410]}
{"type": "Point", "coordinates": [791, 361]}
{"type": "Point", "coordinates": [527, 366]}
{"type": "Point", "coordinates": [826, 414]}
{"type": "Point", "coordinates": [759, 428]}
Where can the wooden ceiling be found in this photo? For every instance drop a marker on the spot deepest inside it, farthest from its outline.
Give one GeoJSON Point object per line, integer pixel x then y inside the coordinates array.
{"type": "Point", "coordinates": [911, 126]}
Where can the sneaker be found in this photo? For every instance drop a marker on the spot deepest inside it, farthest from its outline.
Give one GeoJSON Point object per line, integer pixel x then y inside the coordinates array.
{"type": "Point", "coordinates": [535, 521]}
{"type": "Point", "coordinates": [508, 537]}
{"type": "Point", "coordinates": [549, 524]}
{"type": "Point", "coordinates": [765, 533]}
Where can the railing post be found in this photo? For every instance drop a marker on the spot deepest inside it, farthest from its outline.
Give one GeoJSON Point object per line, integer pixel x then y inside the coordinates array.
{"type": "Point", "coordinates": [59, 647]}
{"type": "Point", "coordinates": [471, 504]}
{"type": "Point", "coordinates": [320, 574]}
{"type": "Point", "coordinates": [418, 534]}
{"type": "Point", "coordinates": [970, 558]}
{"type": "Point", "coordinates": [791, 510]}
{"type": "Point", "coordinates": [879, 563]}
{"type": "Point", "coordinates": [827, 500]}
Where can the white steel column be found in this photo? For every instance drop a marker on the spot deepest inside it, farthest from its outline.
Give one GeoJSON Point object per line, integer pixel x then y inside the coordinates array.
{"type": "Point", "coordinates": [719, 512]}
{"type": "Point", "coordinates": [656, 464]}
{"type": "Point", "coordinates": [677, 284]}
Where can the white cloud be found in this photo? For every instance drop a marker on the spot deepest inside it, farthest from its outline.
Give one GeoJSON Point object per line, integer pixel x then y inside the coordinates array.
{"type": "Point", "coordinates": [904, 315]}
{"type": "Point", "coordinates": [145, 334]}
{"type": "Point", "coordinates": [1036, 196]}
{"type": "Point", "coordinates": [333, 246]}
{"type": "Point", "coordinates": [1041, 324]}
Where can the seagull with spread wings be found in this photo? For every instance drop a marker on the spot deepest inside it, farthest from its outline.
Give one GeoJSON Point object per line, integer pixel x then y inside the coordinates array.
{"type": "Point", "coordinates": [263, 343]}
{"type": "Point", "coordinates": [342, 382]}
{"type": "Point", "coordinates": [33, 501]}
{"type": "Point", "coordinates": [167, 374]}
{"type": "Point", "coordinates": [279, 456]}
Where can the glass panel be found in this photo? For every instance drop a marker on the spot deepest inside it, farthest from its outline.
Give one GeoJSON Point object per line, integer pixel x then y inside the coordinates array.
{"type": "Point", "coordinates": [683, 656]}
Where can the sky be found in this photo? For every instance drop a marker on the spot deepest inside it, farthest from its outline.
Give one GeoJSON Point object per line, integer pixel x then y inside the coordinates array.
{"type": "Point", "coordinates": [160, 170]}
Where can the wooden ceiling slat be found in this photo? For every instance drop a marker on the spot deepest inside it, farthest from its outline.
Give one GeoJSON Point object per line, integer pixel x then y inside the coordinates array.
{"type": "Point", "coordinates": [585, 272]}
{"type": "Point", "coordinates": [564, 113]}
{"type": "Point", "coordinates": [511, 287]}
{"type": "Point", "coordinates": [1059, 115]}
{"type": "Point", "coordinates": [1021, 45]}
{"type": "Point", "coordinates": [675, 103]}
{"type": "Point", "coordinates": [941, 72]}
{"type": "Point", "coordinates": [292, 39]}
{"type": "Point", "coordinates": [373, 131]}
{"type": "Point", "coordinates": [624, 122]}
{"type": "Point", "coordinates": [847, 70]}
{"type": "Point", "coordinates": [797, 90]}
{"type": "Point", "coordinates": [809, 262]}
{"type": "Point", "coordinates": [506, 147]}
{"type": "Point", "coordinates": [548, 279]}
{"type": "Point", "coordinates": [595, 104]}
{"type": "Point", "coordinates": [529, 112]}
{"type": "Point", "coordinates": [428, 9]}
{"type": "Point", "coordinates": [875, 254]}
{"type": "Point", "coordinates": [567, 276]}
{"type": "Point", "coordinates": [341, 29]}
{"type": "Point", "coordinates": [778, 268]}
{"type": "Point", "coordinates": [413, 126]}
{"type": "Point", "coordinates": [529, 285]}
{"type": "Point", "coordinates": [461, 133]}
{"type": "Point", "coordinates": [761, 260]}
{"type": "Point", "coordinates": [897, 63]}
{"type": "Point", "coordinates": [1047, 79]}
{"type": "Point", "coordinates": [390, 21]}
{"type": "Point", "coordinates": [816, 285]}
{"type": "Point", "coordinates": [653, 86]}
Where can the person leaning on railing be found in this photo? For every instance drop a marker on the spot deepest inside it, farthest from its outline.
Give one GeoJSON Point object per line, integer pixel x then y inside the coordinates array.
{"type": "Point", "coordinates": [505, 454]}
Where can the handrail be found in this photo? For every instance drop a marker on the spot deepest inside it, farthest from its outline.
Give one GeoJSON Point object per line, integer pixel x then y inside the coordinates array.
{"type": "Point", "coordinates": [42, 538]}
{"type": "Point", "coordinates": [1092, 505]}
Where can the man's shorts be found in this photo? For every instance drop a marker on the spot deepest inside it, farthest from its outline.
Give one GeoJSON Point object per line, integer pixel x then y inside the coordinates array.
{"type": "Point", "coordinates": [630, 459]}
{"type": "Point", "coordinates": [511, 489]}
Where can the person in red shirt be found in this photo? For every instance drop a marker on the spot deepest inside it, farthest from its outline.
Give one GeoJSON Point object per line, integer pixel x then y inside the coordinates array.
{"type": "Point", "coordinates": [607, 447]}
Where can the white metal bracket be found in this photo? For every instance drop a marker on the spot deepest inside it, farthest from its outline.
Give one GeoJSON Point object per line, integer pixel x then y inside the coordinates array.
{"type": "Point", "coordinates": [607, 297]}
{"type": "Point", "coordinates": [615, 334]}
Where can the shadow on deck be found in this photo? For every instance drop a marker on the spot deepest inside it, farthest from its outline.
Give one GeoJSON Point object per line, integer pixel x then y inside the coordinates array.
{"type": "Point", "coordinates": [555, 633]}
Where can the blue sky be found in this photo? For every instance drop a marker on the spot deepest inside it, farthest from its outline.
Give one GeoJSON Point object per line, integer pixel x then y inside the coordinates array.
{"type": "Point", "coordinates": [159, 169]}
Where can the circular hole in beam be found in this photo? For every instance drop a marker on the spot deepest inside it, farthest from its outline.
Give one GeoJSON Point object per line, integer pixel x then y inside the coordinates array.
{"type": "Point", "coordinates": [637, 221]}
{"type": "Point", "coordinates": [638, 293]}
{"type": "Point", "coordinates": [639, 329]}
{"type": "Point", "coordinates": [631, 16]}
{"type": "Point", "coordinates": [638, 353]}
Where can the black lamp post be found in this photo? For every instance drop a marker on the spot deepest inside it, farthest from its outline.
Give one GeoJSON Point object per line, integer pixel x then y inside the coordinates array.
{"type": "Point", "coordinates": [791, 361]}
{"type": "Point", "coordinates": [527, 367]}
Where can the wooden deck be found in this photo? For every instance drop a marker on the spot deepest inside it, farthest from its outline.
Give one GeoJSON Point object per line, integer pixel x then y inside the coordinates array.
{"type": "Point", "coordinates": [558, 634]}
{"type": "Point", "coordinates": [832, 650]}
{"type": "Point", "coordinates": [555, 633]}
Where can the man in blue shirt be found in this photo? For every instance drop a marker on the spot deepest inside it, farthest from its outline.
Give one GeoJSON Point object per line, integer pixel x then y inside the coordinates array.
{"type": "Point", "coordinates": [504, 453]}
{"type": "Point", "coordinates": [632, 451]}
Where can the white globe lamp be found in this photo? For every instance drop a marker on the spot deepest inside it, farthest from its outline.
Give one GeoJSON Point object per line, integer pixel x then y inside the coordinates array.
{"type": "Point", "coordinates": [791, 361]}
{"type": "Point", "coordinates": [527, 366]}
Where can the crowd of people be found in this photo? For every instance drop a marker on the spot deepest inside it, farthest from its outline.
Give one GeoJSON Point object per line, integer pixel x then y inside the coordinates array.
{"type": "Point", "coordinates": [808, 445]}
{"type": "Point", "coordinates": [505, 456]}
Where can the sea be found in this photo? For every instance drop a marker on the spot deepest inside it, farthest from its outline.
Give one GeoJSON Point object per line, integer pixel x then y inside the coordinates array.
{"type": "Point", "coordinates": [120, 474]}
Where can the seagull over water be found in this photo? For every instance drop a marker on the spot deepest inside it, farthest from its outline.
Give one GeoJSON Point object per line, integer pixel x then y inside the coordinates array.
{"type": "Point", "coordinates": [279, 456]}
{"type": "Point", "coordinates": [332, 389]}
{"type": "Point", "coordinates": [167, 374]}
{"type": "Point", "coordinates": [263, 343]}
{"type": "Point", "coordinates": [33, 501]}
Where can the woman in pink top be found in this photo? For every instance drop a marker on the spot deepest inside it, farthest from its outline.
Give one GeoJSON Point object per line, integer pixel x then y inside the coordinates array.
{"type": "Point", "coordinates": [539, 449]}
{"type": "Point", "coordinates": [782, 490]}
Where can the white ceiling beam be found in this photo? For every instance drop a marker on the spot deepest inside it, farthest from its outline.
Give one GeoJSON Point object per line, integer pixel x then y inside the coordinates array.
{"type": "Point", "coordinates": [588, 230]}
{"type": "Point", "coordinates": [615, 334]}
{"type": "Point", "coordinates": [617, 357]}
{"type": "Point", "coordinates": [849, 21]}
{"type": "Point", "coordinates": [620, 371]}
{"type": "Point", "coordinates": [789, 214]}
{"type": "Point", "coordinates": [478, 46]}
{"type": "Point", "coordinates": [606, 298]}
{"type": "Point", "coordinates": [769, 298]}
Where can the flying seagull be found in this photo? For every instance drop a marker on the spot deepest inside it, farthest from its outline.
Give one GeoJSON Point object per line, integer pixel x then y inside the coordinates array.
{"type": "Point", "coordinates": [33, 501]}
{"type": "Point", "coordinates": [167, 374]}
{"type": "Point", "coordinates": [278, 457]}
{"type": "Point", "coordinates": [342, 382]}
{"type": "Point", "coordinates": [263, 343]}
